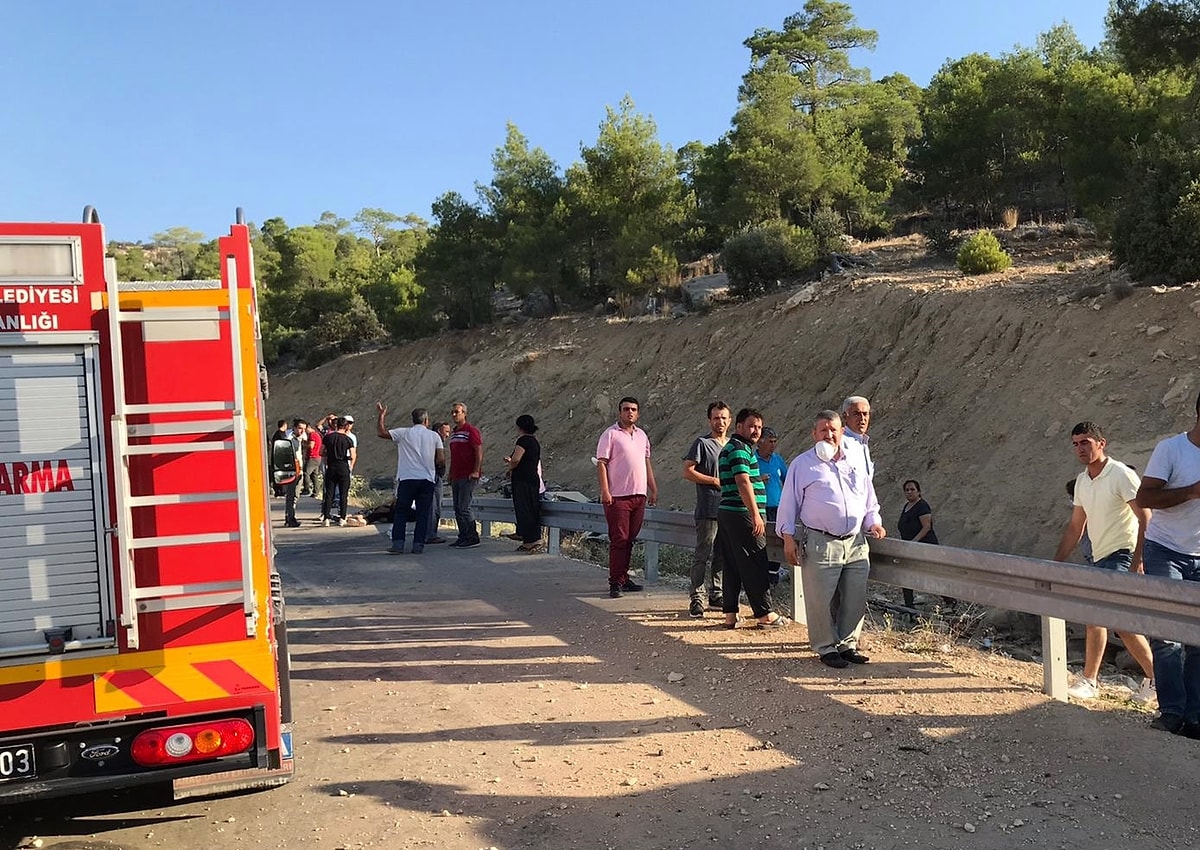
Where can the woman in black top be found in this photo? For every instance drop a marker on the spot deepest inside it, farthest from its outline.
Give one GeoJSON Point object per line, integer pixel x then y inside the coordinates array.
{"type": "Point", "coordinates": [526, 483]}
{"type": "Point", "coordinates": [916, 524]}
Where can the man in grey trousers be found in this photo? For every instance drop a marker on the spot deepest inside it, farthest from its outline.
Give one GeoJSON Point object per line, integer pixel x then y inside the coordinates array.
{"type": "Point", "coordinates": [700, 467]}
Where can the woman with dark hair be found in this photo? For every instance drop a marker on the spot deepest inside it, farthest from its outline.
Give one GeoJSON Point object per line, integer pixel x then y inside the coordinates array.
{"type": "Point", "coordinates": [523, 471]}
{"type": "Point", "coordinates": [916, 524]}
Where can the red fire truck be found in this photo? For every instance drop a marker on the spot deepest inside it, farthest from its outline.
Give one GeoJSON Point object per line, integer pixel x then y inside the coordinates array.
{"type": "Point", "coordinates": [142, 635]}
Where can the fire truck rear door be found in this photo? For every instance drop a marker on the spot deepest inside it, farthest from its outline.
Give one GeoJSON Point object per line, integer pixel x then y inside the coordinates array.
{"type": "Point", "coordinates": [55, 584]}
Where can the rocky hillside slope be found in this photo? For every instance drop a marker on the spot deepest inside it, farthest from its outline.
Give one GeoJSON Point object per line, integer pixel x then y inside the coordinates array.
{"type": "Point", "coordinates": [975, 382]}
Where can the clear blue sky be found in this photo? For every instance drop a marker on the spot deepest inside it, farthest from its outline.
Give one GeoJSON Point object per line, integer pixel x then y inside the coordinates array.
{"type": "Point", "coordinates": [177, 111]}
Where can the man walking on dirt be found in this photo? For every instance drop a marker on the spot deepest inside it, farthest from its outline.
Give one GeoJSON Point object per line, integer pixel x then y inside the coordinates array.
{"type": "Point", "coordinates": [700, 467]}
{"type": "Point", "coordinates": [1171, 490]}
{"type": "Point", "coordinates": [1104, 504]}
{"type": "Point", "coordinates": [828, 500]}
{"type": "Point", "coordinates": [627, 487]}
{"type": "Point", "coordinates": [419, 461]}
{"type": "Point", "coordinates": [466, 468]}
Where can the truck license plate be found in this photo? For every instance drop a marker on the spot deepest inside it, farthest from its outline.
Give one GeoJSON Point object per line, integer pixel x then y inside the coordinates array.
{"type": "Point", "coordinates": [17, 762]}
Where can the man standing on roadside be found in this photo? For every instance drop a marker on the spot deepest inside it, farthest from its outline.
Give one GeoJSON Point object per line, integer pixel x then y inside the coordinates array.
{"type": "Point", "coordinates": [340, 454]}
{"type": "Point", "coordinates": [743, 522]}
{"type": "Point", "coordinates": [829, 501]}
{"type": "Point", "coordinates": [299, 446]}
{"type": "Point", "coordinates": [419, 460]}
{"type": "Point", "coordinates": [1104, 504]}
{"type": "Point", "coordinates": [627, 487]}
{"type": "Point", "coordinates": [774, 472]}
{"type": "Point", "coordinates": [466, 468]}
{"type": "Point", "coordinates": [442, 429]}
{"type": "Point", "coordinates": [312, 463]}
{"type": "Point", "coordinates": [1171, 490]}
{"type": "Point", "coordinates": [856, 416]}
{"type": "Point", "coordinates": [701, 468]}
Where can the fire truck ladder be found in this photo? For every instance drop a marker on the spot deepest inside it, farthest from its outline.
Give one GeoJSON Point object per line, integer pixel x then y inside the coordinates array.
{"type": "Point", "coordinates": [227, 419]}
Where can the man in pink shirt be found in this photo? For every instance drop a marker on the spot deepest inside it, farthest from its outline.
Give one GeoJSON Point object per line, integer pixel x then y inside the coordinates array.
{"type": "Point", "coordinates": [627, 486]}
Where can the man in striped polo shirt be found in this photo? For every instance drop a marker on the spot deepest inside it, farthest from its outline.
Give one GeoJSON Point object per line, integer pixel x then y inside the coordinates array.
{"type": "Point", "coordinates": [741, 524]}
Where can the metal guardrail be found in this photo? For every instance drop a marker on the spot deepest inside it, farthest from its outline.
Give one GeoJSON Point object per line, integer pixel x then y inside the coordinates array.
{"type": "Point", "coordinates": [1057, 592]}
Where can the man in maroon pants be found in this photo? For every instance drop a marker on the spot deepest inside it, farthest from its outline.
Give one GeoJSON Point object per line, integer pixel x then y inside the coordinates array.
{"type": "Point", "coordinates": [627, 487]}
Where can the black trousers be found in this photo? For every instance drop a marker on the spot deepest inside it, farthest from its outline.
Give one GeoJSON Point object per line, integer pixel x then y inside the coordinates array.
{"type": "Point", "coordinates": [745, 563]}
{"type": "Point", "coordinates": [337, 477]}
{"type": "Point", "coordinates": [527, 505]}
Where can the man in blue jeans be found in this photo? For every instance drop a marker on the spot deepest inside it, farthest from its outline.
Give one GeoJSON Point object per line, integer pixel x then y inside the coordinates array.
{"type": "Point", "coordinates": [419, 460]}
{"type": "Point", "coordinates": [1103, 501]}
{"type": "Point", "coordinates": [1171, 490]}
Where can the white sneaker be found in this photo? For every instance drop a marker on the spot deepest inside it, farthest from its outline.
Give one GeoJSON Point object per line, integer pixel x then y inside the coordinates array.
{"type": "Point", "coordinates": [1146, 693]}
{"type": "Point", "coordinates": [325, 522]}
{"type": "Point", "coordinates": [1084, 689]}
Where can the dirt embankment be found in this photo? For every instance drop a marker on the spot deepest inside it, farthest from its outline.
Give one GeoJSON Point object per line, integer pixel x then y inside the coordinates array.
{"type": "Point", "coordinates": [975, 383]}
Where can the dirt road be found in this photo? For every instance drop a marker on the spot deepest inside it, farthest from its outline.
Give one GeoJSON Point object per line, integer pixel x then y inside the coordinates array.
{"type": "Point", "coordinates": [486, 698]}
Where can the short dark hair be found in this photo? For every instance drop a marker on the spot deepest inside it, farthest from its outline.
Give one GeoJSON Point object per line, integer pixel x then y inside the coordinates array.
{"type": "Point", "coordinates": [340, 422]}
{"type": "Point", "coordinates": [281, 423]}
{"type": "Point", "coordinates": [441, 425]}
{"type": "Point", "coordinates": [629, 400]}
{"type": "Point", "coordinates": [1090, 428]}
{"type": "Point", "coordinates": [1071, 488]}
{"type": "Point", "coordinates": [914, 482]}
{"type": "Point", "coordinates": [747, 413]}
{"type": "Point", "coordinates": [716, 405]}
{"type": "Point", "coordinates": [419, 415]}
{"type": "Point", "coordinates": [298, 422]}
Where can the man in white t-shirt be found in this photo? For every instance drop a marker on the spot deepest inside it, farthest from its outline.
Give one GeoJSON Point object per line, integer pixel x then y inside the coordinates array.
{"type": "Point", "coordinates": [1104, 505]}
{"type": "Point", "coordinates": [1171, 489]}
{"type": "Point", "coordinates": [419, 461]}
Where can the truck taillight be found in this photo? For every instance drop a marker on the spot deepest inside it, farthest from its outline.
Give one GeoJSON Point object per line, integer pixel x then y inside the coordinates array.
{"type": "Point", "coordinates": [195, 742]}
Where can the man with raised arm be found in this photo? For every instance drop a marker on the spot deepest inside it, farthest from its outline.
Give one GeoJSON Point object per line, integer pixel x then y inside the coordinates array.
{"type": "Point", "coordinates": [419, 461]}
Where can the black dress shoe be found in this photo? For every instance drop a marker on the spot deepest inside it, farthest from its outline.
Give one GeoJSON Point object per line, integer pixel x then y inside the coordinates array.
{"type": "Point", "coordinates": [614, 590]}
{"type": "Point", "coordinates": [835, 660]}
{"type": "Point", "coordinates": [630, 586]}
{"type": "Point", "coordinates": [854, 656]}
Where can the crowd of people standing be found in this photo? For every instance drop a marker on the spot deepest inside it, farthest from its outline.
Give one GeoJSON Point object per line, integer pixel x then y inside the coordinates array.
{"type": "Point", "coordinates": [823, 505]}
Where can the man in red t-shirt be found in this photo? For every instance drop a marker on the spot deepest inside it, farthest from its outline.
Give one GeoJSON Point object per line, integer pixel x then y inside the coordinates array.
{"type": "Point", "coordinates": [312, 463]}
{"type": "Point", "coordinates": [466, 466]}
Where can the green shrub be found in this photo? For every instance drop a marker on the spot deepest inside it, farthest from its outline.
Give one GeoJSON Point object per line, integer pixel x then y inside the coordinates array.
{"type": "Point", "coordinates": [940, 239]}
{"type": "Point", "coordinates": [760, 259]}
{"type": "Point", "coordinates": [981, 253]}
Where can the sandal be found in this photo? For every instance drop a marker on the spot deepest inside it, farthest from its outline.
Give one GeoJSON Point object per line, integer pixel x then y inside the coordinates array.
{"type": "Point", "coordinates": [729, 625]}
{"type": "Point", "coordinates": [780, 622]}
{"type": "Point", "coordinates": [530, 548]}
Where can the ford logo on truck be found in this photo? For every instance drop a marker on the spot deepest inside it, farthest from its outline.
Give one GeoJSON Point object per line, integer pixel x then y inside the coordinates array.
{"type": "Point", "coordinates": [100, 752]}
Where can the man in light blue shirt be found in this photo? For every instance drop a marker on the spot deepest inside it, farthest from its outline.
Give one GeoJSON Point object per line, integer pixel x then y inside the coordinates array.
{"type": "Point", "coordinates": [829, 502]}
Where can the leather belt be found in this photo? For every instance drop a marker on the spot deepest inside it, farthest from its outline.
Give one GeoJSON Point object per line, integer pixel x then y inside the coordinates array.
{"type": "Point", "coordinates": [842, 537]}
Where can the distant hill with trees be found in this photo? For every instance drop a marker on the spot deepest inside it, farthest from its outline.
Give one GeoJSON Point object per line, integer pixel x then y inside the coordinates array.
{"type": "Point", "coordinates": [816, 149]}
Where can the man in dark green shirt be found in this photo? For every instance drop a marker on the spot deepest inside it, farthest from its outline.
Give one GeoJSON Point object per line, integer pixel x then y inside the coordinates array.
{"type": "Point", "coordinates": [741, 524]}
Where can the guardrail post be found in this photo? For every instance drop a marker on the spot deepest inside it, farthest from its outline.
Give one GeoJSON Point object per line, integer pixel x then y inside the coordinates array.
{"type": "Point", "coordinates": [1054, 658]}
{"type": "Point", "coordinates": [485, 528]}
{"type": "Point", "coordinates": [555, 547]}
{"type": "Point", "coordinates": [651, 551]}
